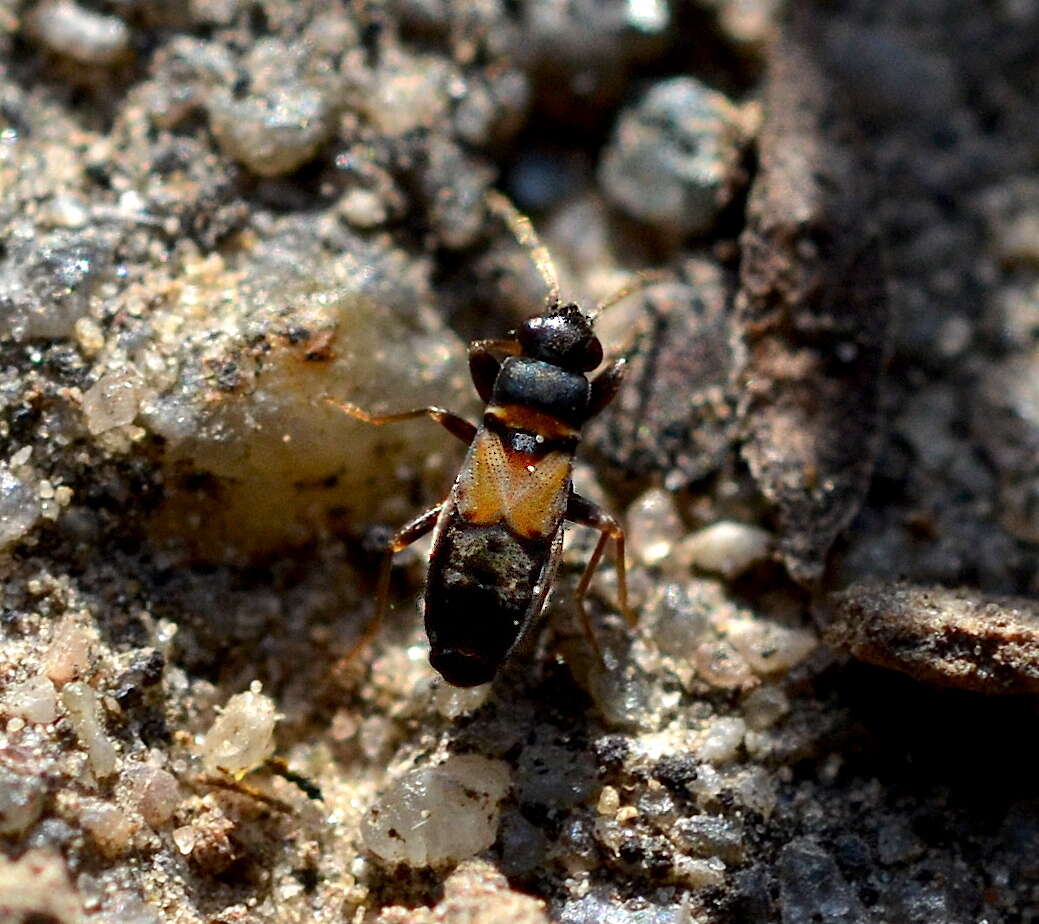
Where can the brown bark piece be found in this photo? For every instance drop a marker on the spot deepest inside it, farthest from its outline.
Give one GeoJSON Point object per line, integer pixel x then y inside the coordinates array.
{"type": "Point", "coordinates": [812, 314]}
{"type": "Point", "coordinates": [959, 638]}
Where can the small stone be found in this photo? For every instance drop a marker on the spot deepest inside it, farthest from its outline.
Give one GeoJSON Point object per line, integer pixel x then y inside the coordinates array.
{"type": "Point", "coordinates": [19, 508]}
{"type": "Point", "coordinates": [726, 548]}
{"type": "Point", "coordinates": [68, 654]}
{"type": "Point", "coordinates": [34, 699]}
{"type": "Point", "coordinates": [114, 400]}
{"type": "Point", "coordinates": [768, 647]}
{"type": "Point", "coordinates": [720, 665]}
{"type": "Point", "coordinates": [287, 115]}
{"type": "Point", "coordinates": [154, 793]}
{"type": "Point", "coordinates": [653, 526]}
{"type": "Point", "coordinates": [83, 35]}
{"type": "Point", "coordinates": [710, 836]}
{"type": "Point", "coordinates": [242, 737]}
{"type": "Point", "coordinates": [108, 825]}
{"type": "Point", "coordinates": [673, 161]}
{"type": "Point", "coordinates": [454, 702]}
{"type": "Point", "coordinates": [812, 888]}
{"type": "Point", "coordinates": [431, 816]}
{"type": "Point", "coordinates": [700, 874]}
{"type": "Point", "coordinates": [84, 711]}
{"type": "Point", "coordinates": [36, 887]}
{"type": "Point", "coordinates": [609, 801]}
{"type": "Point", "coordinates": [722, 740]}
{"type": "Point", "coordinates": [764, 706]}
{"type": "Point", "coordinates": [21, 801]}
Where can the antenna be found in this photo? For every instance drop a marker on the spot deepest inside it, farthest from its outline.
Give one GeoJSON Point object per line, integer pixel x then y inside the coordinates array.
{"type": "Point", "coordinates": [643, 279]}
{"type": "Point", "coordinates": [527, 237]}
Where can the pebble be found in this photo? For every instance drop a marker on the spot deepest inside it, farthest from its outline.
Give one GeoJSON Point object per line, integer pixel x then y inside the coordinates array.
{"type": "Point", "coordinates": [154, 793]}
{"type": "Point", "coordinates": [76, 32]}
{"type": "Point", "coordinates": [114, 400]}
{"type": "Point", "coordinates": [726, 548]}
{"type": "Point", "coordinates": [769, 647]}
{"type": "Point", "coordinates": [673, 160]}
{"type": "Point", "coordinates": [436, 815]}
{"type": "Point", "coordinates": [84, 711]}
{"type": "Point", "coordinates": [33, 699]}
{"type": "Point", "coordinates": [654, 526]}
{"type": "Point", "coordinates": [455, 702]}
{"type": "Point", "coordinates": [110, 827]}
{"type": "Point", "coordinates": [764, 706]}
{"type": "Point", "coordinates": [721, 742]}
{"type": "Point", "coordinates": [68, 655]}
{"type": "Point", "coordinates": [21, 801]}
{"type": "Point", "coordinates": [242, 737]}
{"type": "Point", "coordinates": [19, 508]}
{"type": "Point", "coordinates": [812, 888]}
{"type": "Point", "coordinates": [36, 887]}
{"type": "Point", "coordinates": [282, 121]}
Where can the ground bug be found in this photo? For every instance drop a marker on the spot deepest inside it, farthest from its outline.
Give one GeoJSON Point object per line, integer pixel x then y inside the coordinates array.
{"type": "Point", "coordinates": [498, 534]}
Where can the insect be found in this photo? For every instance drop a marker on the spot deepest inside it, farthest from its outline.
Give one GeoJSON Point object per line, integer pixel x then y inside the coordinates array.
{"type": "Point", "coordinates": [497, 536]}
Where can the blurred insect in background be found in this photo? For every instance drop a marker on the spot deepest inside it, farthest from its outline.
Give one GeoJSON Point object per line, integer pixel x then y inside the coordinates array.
{"type": "Point", "coordinates": [497, 536]}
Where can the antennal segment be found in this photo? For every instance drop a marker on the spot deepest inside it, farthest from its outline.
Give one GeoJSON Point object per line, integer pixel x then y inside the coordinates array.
{"type": "Point", "coordinates": [527, 237]}
{"type": "Point", "coordinates": [643, 279]}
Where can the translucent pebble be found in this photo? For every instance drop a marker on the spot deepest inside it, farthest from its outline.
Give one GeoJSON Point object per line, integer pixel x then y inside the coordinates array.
{"type": "Point", "coordinates": [242, 737]}
{"type": "Point", "coordinates": [764, 706]}
{"type": "Point", "coordinates": [769, 647]}
{"type": "Point", "coordinates": [34, 700]}
{"type": "Point", "coordinates": [68, 655]}
{"type": "Point", "coordinates": [19, 508]}
{"type": "Point", "coordinates": [81, 34]}
{"type": "Point", "coordinates": [153, 792]}
{"type": "Point", "coordinates": [454, 702]}
{"type": "Point", "coordinates": [108, 825]}
{"type": "Point", "coordinates": [114, 400]}
{"type": "Point", "coordinates": [21, 801]}
{"type": "Point", "coordinates": [722, 740]}
{"type": "Point", "coordinates": [653, 526]}
{"type": "Point", "coordinates": [83, 708]}
{"type": "Point", "coordinates": [726, 548]}
{"type": "Point", "coordinates": [36, 887]}
{"type": "Point", "coordinates": [676, 617]}
{"type": "Point", "coordinates": [699, 874]}
{"type": "Point", "coordinates": [439, 814]}
{"type": "Point", "coordinates": [720, 665]}
{"type": "Point", "coordinates": [756, 790]}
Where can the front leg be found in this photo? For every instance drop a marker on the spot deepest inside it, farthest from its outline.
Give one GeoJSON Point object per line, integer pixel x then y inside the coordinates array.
{"type": "Point", "coordinates": [484, 365]}
{"type": "Point", "coordinates": [606, 384]}
{"type": "Point", "coordinates": [582, 511]}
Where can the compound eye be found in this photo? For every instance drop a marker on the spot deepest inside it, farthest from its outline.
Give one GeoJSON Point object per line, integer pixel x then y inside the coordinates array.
{"type": "Point", "coordinates": [592, 355]}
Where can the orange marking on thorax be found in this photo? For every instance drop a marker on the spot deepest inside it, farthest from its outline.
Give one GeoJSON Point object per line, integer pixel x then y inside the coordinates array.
{"type": "Point", "coordinates": [527, 495]}
{"type": "Point", "coordinates": [524, 418]}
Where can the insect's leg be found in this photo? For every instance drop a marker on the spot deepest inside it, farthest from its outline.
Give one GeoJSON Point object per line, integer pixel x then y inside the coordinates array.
{"type": "Point", "coordinates": [606, 384]}
{"type": "Point", "coordinates": [410, 532]}
{"type": "Point", "coordinates": [525, 234]}
{"type": "Point", "coordinates": [484, 365]}
{"type": "Point", "coordinates": [457, 426]}
{"type": "Point", "coordinates": [582, 511]}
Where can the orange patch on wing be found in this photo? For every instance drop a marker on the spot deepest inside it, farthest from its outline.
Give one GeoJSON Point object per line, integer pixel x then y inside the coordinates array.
{"type": "Point", "coordinates": [496, 486]}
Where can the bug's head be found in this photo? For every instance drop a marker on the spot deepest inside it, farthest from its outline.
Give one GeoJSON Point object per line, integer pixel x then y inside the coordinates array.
{"type": "Point", "coordinates": [562, 336]}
